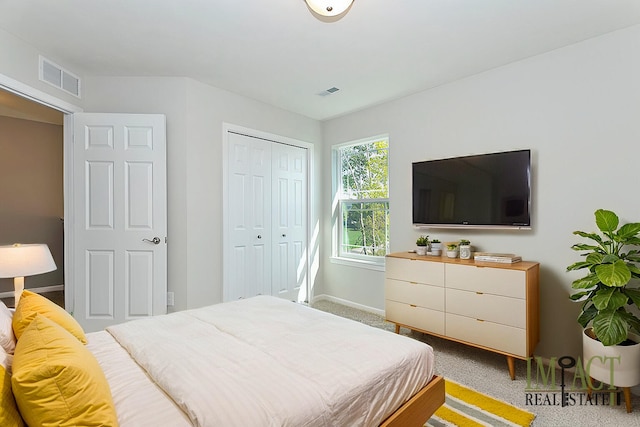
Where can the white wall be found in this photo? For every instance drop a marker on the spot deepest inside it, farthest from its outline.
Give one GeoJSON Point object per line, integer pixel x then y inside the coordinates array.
{"type": "Point", "coordinates": [208, 109]}
{"type": "Point", "coordinates": [577, 108]}
{"type": "Point", "coordinates": [20, 61]}
{"type": "Point", "coordinates": [195, 115]}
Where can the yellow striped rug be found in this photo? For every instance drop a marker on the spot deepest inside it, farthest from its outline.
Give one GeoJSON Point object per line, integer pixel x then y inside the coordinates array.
{"type": "Point", "coordinates": [464, 407]}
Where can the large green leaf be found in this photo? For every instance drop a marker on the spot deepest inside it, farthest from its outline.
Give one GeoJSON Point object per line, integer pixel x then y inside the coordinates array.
{"type": "Point", "coordinates": [633, 321]}
{"type": "Point", "coordinates": [579, 265]}
{"type": "Point", "coordinates": [608, 259]}
{"type": "Point", "coordinates": [628, 231]}
{"type": "Point", "coordinates": [634, 295]}
{"type": "Point", "coordinates": [633, 255]}
{"type": "Point", "coordinates": [592, 236]}
{"type": "Point", "coordinates": [610, 327]}
{"type": "Point", "coordinates": [609, 298]}
{"type": "Point", "coordinates": [606, 221]}
{"type": "Point", "coordinates": [578, 295]}
{"type": "Point", "coordinates": [584, 247]}
{"type": "Point", "coordinates": [616, 274]}
{"type": "Point", "coordinates": [587, 315]}
{"type": "Point", "coordinates": [586, 282]}
{"type": "Point", "coordinates": [594, 258]}
{"type": "Point", "coordinates": [633, 268]}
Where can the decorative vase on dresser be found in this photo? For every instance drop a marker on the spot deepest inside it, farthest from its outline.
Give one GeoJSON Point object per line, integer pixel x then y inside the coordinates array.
{"type": "Point", "coordinates": [465, 249]}
{"type": "Point", "coordinates": [486, 305]}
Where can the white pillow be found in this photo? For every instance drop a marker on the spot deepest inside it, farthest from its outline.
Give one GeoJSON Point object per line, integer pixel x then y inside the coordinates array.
{"type": "Point", "coordinates": [7, 339]}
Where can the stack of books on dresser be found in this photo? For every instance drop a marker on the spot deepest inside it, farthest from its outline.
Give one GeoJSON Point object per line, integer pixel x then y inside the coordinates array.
{"type": "Point", "coordinates": [501, 258]}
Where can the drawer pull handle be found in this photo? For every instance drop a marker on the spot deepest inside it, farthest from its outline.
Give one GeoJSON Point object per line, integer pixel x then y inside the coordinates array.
{"type": "Point", "coordinates": [479, 293]}
{"type": "Point", "coordinates": [414, 283]}
{"type": "Point", "coordinates": [480, 320]}
{"type": "Point", "coordinates": [412, 305]}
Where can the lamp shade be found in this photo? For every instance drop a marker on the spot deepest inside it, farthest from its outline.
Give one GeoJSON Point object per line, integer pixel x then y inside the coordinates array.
{"type": "Point", "coordinates": [25, 260]}
{"type": "Point", "coordinates": [329, 7]}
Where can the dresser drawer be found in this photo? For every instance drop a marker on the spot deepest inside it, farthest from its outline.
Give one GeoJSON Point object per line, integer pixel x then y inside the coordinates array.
{"type": "Point", "coordinates": [431, 273]}
{"type": "Point", "coordinates": [415, 293]}
{"type": "Point", "coordinates": [504, 310]}
{"type": "Point", "coordinates": [488, 334]}
{"type": "Point", "coordinates": [416, 317]}
{"type": "Point", "coordinates": [497, 281]}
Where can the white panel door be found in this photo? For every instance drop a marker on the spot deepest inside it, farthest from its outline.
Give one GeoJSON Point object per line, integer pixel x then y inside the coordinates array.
{"type": "Point", "coordinates": [289, 177]}
{"type": "Point", "coordinates": [120, 226]}
{"type": "Point", "coordinates": [249, 223]}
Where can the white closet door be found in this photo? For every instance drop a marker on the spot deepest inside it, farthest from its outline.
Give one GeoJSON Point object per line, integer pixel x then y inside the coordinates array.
{"type": "Point", "coordinates": [266, 219]}
{"type": "Point", "coordinates": [249, 222]}
{"type": "Point", "coordinates": [289, 177]}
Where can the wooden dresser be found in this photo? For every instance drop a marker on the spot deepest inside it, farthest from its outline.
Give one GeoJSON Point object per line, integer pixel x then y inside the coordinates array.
{"type": "Point", "coordinates": [487, 305]}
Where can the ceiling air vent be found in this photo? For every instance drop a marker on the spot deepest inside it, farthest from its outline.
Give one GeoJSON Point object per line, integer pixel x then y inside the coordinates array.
{"type": "Point", "coordinates": [57, 76]}
{"type": "Point", "coordinates": [329, 91]}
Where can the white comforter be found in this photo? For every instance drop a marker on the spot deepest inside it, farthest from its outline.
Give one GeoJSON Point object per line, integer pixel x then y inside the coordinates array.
{"type": "Point", "coordinates": [264, 361]}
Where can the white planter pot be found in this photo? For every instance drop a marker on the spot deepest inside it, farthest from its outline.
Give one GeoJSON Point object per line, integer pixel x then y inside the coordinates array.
{"type": "Point", "coordinates": [452, 254]}
{"type": "Point", "coordinates": [465, 251]}
{"type": "Point", "coordinates": [421, 250]}
{"type": "Point", "coordinates": [599, 361]}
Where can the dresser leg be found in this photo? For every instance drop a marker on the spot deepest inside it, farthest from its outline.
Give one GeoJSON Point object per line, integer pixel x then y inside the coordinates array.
{"type": "Point", "coordinates": [512, 367]}
{"type": "Point", "coordinates": [397, 328]}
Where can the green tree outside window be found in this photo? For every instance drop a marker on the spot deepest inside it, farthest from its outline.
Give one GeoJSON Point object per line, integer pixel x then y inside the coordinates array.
{"type": "Point", "coordinates": [364, 198]}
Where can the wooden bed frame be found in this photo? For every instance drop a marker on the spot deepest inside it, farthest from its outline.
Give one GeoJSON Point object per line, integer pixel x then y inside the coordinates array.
{"type": "Point", "coordinates": [417, 410]}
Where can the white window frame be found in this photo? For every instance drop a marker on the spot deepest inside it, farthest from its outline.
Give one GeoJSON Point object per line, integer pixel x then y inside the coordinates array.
{"type": "Point", "coordinates": [339, 257]}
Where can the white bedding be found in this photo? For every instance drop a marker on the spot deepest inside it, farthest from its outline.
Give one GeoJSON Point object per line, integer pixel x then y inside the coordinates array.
{"type": "Point", "coordinates": [263, 361]}
{"type": "Point", "coordinates": [139, 401]}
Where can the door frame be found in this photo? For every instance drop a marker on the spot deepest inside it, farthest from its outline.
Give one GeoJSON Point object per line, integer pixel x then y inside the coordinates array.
{"type": "Point", "coordinates": [226, 129]}
{"type": "Point", "coordinates": [21, 89]}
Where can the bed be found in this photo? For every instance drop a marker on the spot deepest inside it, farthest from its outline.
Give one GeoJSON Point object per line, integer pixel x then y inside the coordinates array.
{"type": "Point", "coordinates": [260, 361]}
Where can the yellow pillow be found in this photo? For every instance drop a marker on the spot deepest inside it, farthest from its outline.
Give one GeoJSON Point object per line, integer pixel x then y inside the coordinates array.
{"type": "Point", "coordinates": [31, 304]}
{"type": "Point", "coordinates": [57, 381]}
{"type": "Point", "coordinates": [9, 415]}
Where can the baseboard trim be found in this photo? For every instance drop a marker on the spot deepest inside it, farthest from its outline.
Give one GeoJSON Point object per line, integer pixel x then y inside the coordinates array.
{"type": "Point", "coordinates": [40, 290]}
{"type": "Point", "coordinates": [325, 297]}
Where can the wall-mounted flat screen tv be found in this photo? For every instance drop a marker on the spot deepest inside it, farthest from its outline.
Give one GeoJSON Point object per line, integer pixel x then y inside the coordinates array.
{"type": "Point", "coordinates": [484, 191]}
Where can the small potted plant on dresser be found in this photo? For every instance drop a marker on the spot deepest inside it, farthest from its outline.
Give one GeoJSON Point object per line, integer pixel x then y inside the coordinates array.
{"type": "Point", "coordinates": [465, 249]}
{"type": "Point", "coordinates": [452, 250]}
{"type": "Point", "coordinates": [436, 247]}
{"type": "Point", "coordinates": [611, 349]}
{"type": "Point", "coordinates": [421, 245]}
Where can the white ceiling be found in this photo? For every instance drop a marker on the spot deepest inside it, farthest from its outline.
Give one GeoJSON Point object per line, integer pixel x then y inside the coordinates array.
{"type": "Point", "coordinates": [279, 53]}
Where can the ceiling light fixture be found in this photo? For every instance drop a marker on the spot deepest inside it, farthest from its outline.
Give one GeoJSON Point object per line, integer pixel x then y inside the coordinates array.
{"type": "Point", "coordinates": [329, 7]}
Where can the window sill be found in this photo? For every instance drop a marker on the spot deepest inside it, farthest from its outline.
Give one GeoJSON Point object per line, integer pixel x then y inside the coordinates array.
{"type": "Point", "coordinates": [359, 263]}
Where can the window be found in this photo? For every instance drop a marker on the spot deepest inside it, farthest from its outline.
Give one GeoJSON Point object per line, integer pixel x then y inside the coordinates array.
{"type": "Point", "coordinates": [362, 196]}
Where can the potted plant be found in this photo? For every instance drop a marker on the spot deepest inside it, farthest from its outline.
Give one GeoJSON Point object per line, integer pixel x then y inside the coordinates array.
{"type": "Point", "coordinates": [608, 290]}
{"type": "Point", "coordinates": [452, 250]}
{"type": "Point", "coordinates": [422, 242]}
{"type": "Point", "coordinates": [436, 247]}
{"type": "Point", "coordinates": [465, 249]}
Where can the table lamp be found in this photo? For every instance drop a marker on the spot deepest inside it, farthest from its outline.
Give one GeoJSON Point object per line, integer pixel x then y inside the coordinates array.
{"type": "Point", "coordinates": [20, 260]}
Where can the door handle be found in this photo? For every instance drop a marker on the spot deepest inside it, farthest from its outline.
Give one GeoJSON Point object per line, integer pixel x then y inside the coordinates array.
{"type": "Point", "coordinates": [155, 240]}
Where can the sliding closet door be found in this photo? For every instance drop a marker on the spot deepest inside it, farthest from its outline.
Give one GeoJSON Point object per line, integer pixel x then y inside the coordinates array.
{"type": "Point", "coordinates": [266, 225]}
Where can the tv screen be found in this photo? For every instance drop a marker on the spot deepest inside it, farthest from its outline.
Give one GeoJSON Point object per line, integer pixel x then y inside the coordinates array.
{"type": "Point", "coordinates": [486, 190]}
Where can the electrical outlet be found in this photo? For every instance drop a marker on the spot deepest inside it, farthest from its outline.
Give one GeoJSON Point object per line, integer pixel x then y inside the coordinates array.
{"type": "Point", "coordinates": [170, 299]}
